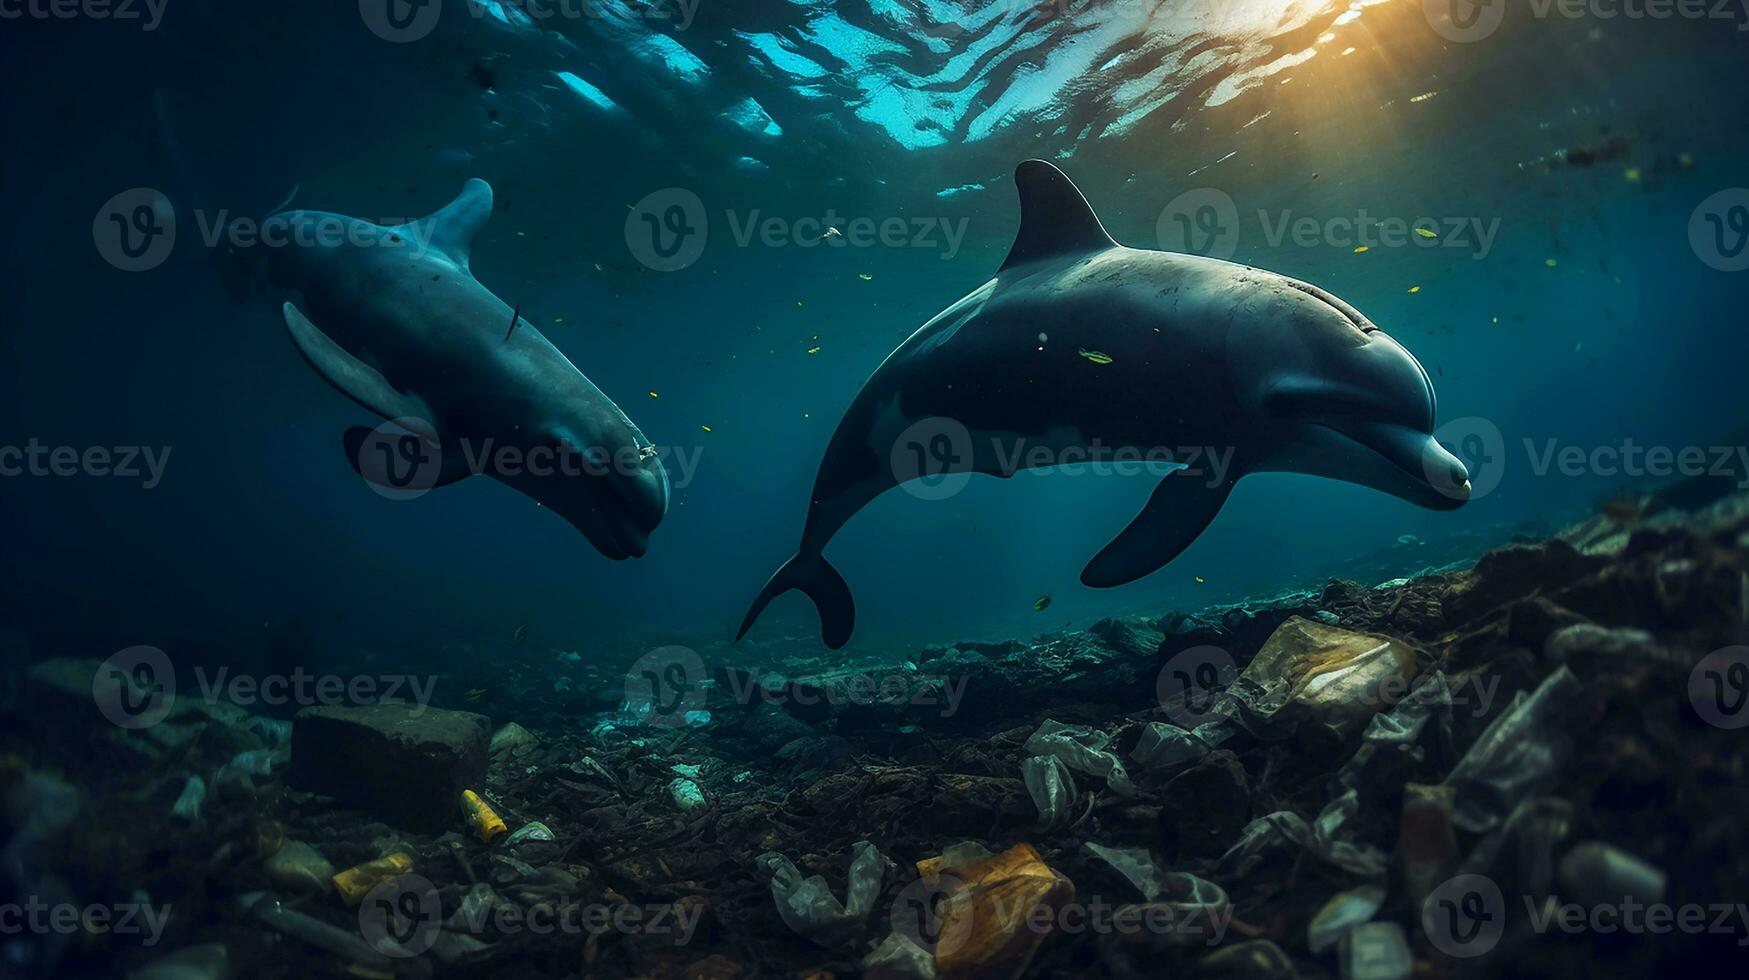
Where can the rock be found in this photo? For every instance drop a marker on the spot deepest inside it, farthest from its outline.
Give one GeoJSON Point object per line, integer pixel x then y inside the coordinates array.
{"type": "Point", "coordinates": [512, 740]}
{"type": "Point", "coordinates": [1589, 648]}
{"type": "Point", "coordinates": [1530, 622]}
{"type": "Point", "coordinates": [686, 795]}
{"type": "Point", "coordinates": [771, 727]}
{"type": "Point", "coordinates": [1128, 639]}
{"type": "Point", "coordinates": [298, 867]}
{"type": "Point", "coordinates": [1515, 572]}
{"type": "Point", "coordinates": [1204, 808]}
{"type": "Point", "coordinates": [406, 764]}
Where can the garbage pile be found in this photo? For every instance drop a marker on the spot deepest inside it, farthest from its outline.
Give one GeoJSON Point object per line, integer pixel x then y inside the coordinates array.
{"type": "Point", "coordinates": [1533, 765]}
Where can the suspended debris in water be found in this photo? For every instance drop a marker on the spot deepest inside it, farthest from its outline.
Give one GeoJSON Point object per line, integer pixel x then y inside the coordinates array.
{"type": "Point", "coordinates": [1551, 263]}
{"type": "Point", "coordinates": [830, 234]}
{"type": "Point", "coordinates": [1096, 357]}
{"type": "Point", "coordinates": [705, 428]}
{"type": "Point", "coordinates": [865, 277]}
{"type": "Point", "coordinates": [1042, 603]}
{"type": "Point", "coordinates": [476, 694]}
{"type": "Point", "coordinates": [1362, 249]}
{"type": "Point", "coordinates": [520, 635]}
{"type": "Point", "coordinates": [1426, 232]}
{"type": "Point", "coordinates": [515, 315]}
{"type": "Point", "coordinates": [654, 395]}
{"type": "Point", "coordinates": [1414, 289]}
{"type": "Point", "coordinates": [1200, 580]}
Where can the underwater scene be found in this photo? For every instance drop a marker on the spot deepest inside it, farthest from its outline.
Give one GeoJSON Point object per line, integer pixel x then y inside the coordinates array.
{"type": "Point", "coordinates": [907, 489]}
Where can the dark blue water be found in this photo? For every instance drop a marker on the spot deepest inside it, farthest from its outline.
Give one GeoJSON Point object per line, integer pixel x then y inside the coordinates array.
{"type": "Point", "coordinates": [1591, 319]}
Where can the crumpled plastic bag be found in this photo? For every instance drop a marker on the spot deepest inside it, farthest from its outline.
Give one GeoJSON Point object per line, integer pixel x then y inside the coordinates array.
{"type": "Point", "coordinates": [1320, 837]}
{"type": "Point", "coordinates": [1515, 755]}
{"type": "Point", "coordinates": [1135, 864]}
{"type": "Point", "coordinates": [1388, 734]}
{"type": "Point", "coordinates": [809, 907]}
{"type": "Point", "coordinates": [1164, 747]}
{"type": "Point", "coordinates": [1343, 912]}
{"type": "Point", "coordinates": [1085, 750]}
{"type": "Point", "coordinates": [898, 958]}
{"type": "Point", "coordinates": [1052, 788]}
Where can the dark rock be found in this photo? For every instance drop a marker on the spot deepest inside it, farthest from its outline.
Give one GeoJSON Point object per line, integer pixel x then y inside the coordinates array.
{"type": "Point", "coordinates": [405, 764]}
{"type": "Point", "coordinates": [1530, 623]}
{"type": "Point", "coordinates": [1128, 639]}
{"type": "Point", "coordinates": [1204, 808]}
{"type": "Point", "coordinates": [1516, 572]}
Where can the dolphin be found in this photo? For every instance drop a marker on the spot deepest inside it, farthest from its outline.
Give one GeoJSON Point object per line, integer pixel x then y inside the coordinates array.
{"type": "Point", "coordinates": [393, 318]}
{"type": "Point", "coordinates": [1082, 347]}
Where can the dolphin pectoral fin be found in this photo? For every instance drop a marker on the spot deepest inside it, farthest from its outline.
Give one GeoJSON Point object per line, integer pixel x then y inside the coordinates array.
{"type": "Point", "coordinates": [351, 376]}
{"type": "Point", "coordinates": [1054, 218]}
{"type": "Point", "coordinates": [1180, 509]}
{"type": "Point", "coordinates": [817, 579]}
{"type": "Point", "coordinates": [382, 463]}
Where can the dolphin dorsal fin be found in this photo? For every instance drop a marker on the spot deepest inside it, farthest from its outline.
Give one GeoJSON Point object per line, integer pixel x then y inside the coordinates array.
{"type": "Point", "coordinates": [452, 230]}
{"type": "Point", "coordinates": [1054, 218]}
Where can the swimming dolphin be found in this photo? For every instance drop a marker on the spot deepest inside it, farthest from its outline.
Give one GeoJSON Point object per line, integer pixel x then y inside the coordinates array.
{"type": "Point", "coordinates": [394, 319]}
{"type": "Point", "coordinates": [1081, 346]}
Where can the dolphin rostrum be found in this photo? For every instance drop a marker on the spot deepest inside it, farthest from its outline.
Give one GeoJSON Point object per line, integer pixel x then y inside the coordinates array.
{"type": "Point", "coordinates": [394, 319]}
{"type": "Point", "coordinates": [1082, 348]}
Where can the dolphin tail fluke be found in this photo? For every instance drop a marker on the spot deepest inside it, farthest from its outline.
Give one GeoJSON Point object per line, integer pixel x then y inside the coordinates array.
{"type": "Point", "coordinates": [816, 578]}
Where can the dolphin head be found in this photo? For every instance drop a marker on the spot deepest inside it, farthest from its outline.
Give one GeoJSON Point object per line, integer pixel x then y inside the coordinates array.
{"type": "Point", "coordinates": [608, 480]}
{"type": "Point", "coordinates": [1340, 396]}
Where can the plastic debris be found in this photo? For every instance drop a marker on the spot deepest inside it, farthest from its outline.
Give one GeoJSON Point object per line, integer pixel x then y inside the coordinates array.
{"type": "Point", "coordinates": [898, 958]}
{"type": "Point", "coordinates": [209, 961]}
{"type": "Point", "coordinates": [1376, 951]}
{"type": "Point", "coordinates": [1258, 959]}
{"type": "Point", "coordinates": [188, 804]}
{"type": "Point", "coordinates": [1392, 741]}
{"type": "Point", "coordinates": [1135, 864]}
{"type": "Point", "coordinates": [1319, 837]}
{"type": "Point", "coordinates": [686, 795]}
{"type": "Point", "coordinates": [1426, 845]}
{"type": "Point", "coordinates": [1052, 788]}
{"type": "Point", "coordinates": [1310, 671]}
{"type": "Point", "coordinates": [808, 905]}
{"type": "Point", "coordinates": [298, 867]}
{"type": "Point", "coordinates": [347, 945]}
{"type": "Point", "coordinates": [535, 831]}
{"type": "Point", "coordinates": [1594, 873]}
{"type": "Point", "coordinates": [1517, 753]}
{"type": "Point", "coordinates": [1200, 910]}
{"type": "Point", "coordinates": [990, 910]}
{"type": "Point", "coordinates": [1344, 911]}
{"type": "Point", "coordinates": [480, 816]}
{"type": "Point", "coordinates": [1085, 750]}
{"type": "Point", "coordinates": [512, 739]}
{"type": "Point", "coordinates": [1164, 747]}
{"type": "Point", "coordinates": [356, 882]}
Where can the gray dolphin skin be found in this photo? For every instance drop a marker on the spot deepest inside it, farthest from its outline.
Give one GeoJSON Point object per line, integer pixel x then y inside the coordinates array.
{"type": "Point", "coordinates": [394, 319]}
{"type": "Point", "coordinates": [1201, 353]}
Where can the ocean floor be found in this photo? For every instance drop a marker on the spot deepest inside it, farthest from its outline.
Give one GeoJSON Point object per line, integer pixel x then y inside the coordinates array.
{"type": "Point", "coordinates": [1530, 765]}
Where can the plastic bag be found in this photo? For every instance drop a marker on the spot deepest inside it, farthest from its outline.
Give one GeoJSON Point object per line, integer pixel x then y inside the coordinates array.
{"type": "Point", "coordinates": [1085, 750]}
{"type": "Point", "coordinates": [808, 905]}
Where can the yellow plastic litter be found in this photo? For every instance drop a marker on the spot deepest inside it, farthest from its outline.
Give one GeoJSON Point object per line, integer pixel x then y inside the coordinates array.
{"type": "Point", "coordinates": [989, 926]}
{"type": "Point", "coordinates": [480, 815]}
{"type": "Point", "coordinates": [355, 883]}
